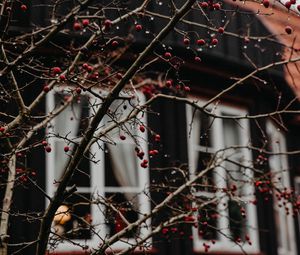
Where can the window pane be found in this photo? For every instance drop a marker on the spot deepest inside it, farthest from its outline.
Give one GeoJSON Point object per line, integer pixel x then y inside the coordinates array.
{"type": "Point", "coordinates": [204, 160]}
{"type": "Point", "coordinates": [207, 222]}
{"type": "Point", "coordinates": [236, 220]}
{"type": "Point", "coordinates": [231, 132]}
{"type": "Point", "coordinates": [73, 121]}
{"type": "Point", "coordinates": [127, 204]}
{"type": "Point", "coordinates": [237, 180]}
{"type": "Point", "coordinates": [121, 165]}
{"type": "Point", "coordinates": [203, 129]}
{"type": "Point", "coordinates": [81, 176]}
{"type": "Point", "coordinates": [73, 219]}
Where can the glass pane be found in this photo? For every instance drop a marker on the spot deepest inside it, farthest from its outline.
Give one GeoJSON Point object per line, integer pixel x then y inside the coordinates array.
{"type": "Point", "coordinates": [236, 220]}
{"type": "Point", "coordinates": [231, 132]}
{"type": "Point", "coordinates": [121, 165]}
{"type": "Point", "coordinates": [236, 177]}
{"type": "Point", "coordinates": [207, 222]}
{"type": "Point", "coordinates": [203, 160]}
{"type": "Point", "coordinates": [127, 204]}
{"type": "Point", "coordinates": [73, 121]}
{"type": "Point", "coordinates": [119, 110]}
{"type": "Point", "coordinates": [73, 219]}
{"type": "Point", "coordinates": [205, 131]}
{"type": "Point", "coordinates": [81, 177]}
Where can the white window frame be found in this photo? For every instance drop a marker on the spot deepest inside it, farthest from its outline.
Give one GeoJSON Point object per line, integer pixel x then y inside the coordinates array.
{"type": "Point", "coordinates": [278, 145]}
{"type": "Point", "coordinates": [223, 243]}
{"type": "Point", "coordinates": [97, 182]}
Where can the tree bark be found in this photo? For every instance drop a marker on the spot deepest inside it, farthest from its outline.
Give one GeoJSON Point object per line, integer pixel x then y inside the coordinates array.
{"type": "Point", "coordinates": [6, 205]}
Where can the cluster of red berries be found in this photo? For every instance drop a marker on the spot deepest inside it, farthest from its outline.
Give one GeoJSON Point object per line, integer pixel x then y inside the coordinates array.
{"type": "Point", "coordinates": [153, 152]}
{"type": "Point", "coordinates": [87, 67]}
{"type": "Point", "coordinates": [78, 26]}
{"type": "Point", "coordinates": [210, 5]}
{"type": "Point", "coordinates": [23, 174]}
{"type": "Point", "coordinates": [46, 146]}
{"type": "Point", "coordinates": [140, 154]}
{"type": "Point", "coordinates": [170, 83]}
{"type": "Point", "coordinates": [149, 90]}
{"type": "Point", "coordinates": [288, 4]}
{"type": "Point", "coordinates": [189, 219]}
{"type": "Point", "coordinates": [213, 41]}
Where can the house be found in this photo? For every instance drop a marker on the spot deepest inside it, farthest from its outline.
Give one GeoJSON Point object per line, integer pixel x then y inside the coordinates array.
{"type": "Point", "coordinates": [244, 204]}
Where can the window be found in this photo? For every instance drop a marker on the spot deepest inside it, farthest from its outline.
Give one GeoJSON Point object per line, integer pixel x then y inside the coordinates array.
{"type": "Point", "coordinates": [231, 222]}
{"type": "Point", "coordinates": [281, 180]}
{"type": "Point", "coordinates": [110, 170]}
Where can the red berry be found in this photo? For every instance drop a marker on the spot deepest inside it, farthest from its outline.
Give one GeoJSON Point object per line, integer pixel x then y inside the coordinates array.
{"type": "Point", "coordinates": [266, 3]}
{"type": "Point", "coordinates": [66, 148]}
{"type": "Point", "coordinates": [77, 26]}
{"type": "Point", "coordinates": [288, 4]}
{"type": "Point", "coordinates": [114, 43]}
{"type": "Point", "coordinates": [288, 30]}
{"type": "Point", "coordinates": [48, 149]}
{"type": "Point", "coordinates": [214, 41]}
{"type": "Point", "coordinates": [24, 7]}
{"type": "Point", "coordinates": [169, 83]}
{"type": "Point", "coordinates": [138, 27]}
{"type": "Point", "coordinates": [90, 69]}
{"type": "Point", "coordinates": [246, 40]}
{"type": "Point", "coordinates": [197, 59]}
{"type": "Point", "coordinates": [298, 8]}
{"type": "Point", "coordinates": [56, 70]}
{"type": "Point", "coordinates": [122, 137]}
{"type": "Point", "coordinates": [293, 1]}
{"type": "Point", "coordinates": [200, 42]}
{"type": "Point", "coordinates": [2, 129]}
{"type": "Point", "coordinates": [62, 77]}
{"type": "Point", "coordinates": [44, 143]}
{"type": "Point", "coordinates": [221, 30]}
{"type": "Point", "coordinates": [140, 154]}
{"type": "Point", "coordinates": [85, 66]}
{"type": "Point", "coordinates": [164, 231]}
{"type": "Point", "coordinates": [85, 22]}
{"type": "Point", "coordinates": [144, 165]}
{"type": "Point", "coordinates": [157, 137]}
{"type": "Point", "coordinates": [186, 41]}
{"type": "Point", "coordinates": [78, 90]}
{"type": "Point", "coordinates": [168, 55]}
{"type": "Point", "coordinates": [46, 89]}
{"type": "Point", "coordinates": [187, 88]}
{"type": "Point", "coordinates": [107, 23]}
{"type": "Point", "coordinates": [217, 6]}
{"type": "Point", "coordinates": [204, 5]}
{"type": "Point", "coordinates": [119, 75]}
{"type": "Point", "coordinates": [142, 128]}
